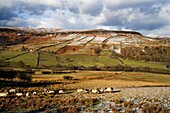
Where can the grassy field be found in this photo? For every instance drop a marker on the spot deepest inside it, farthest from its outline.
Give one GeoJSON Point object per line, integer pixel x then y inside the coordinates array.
{"type": "Point", "coordinates": [107, 78]}
{"type": "Point", "coordinates": [8, 54]}
{"type": "Point", "coordinates": [140, 63]}
{"type": "Point", "coordinates": [75, 59]}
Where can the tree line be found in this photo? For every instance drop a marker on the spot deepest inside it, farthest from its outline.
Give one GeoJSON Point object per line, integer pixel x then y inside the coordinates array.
{"type": "Point", "coordinates": [148, 53]}
{"type": "Point", "coordinates": [10, 75]}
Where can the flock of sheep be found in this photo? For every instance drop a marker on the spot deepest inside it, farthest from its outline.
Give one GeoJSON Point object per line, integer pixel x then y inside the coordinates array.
{"type": "Point", "coordinates": [96, 90]}
{"type": "Point", "coordinates": [14, 92]}
{"type": "Point", "coordinates": [19, 94]}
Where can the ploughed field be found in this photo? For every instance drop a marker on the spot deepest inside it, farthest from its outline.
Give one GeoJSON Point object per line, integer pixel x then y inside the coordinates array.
{"type": "Point", "coordinates": [132, 92]}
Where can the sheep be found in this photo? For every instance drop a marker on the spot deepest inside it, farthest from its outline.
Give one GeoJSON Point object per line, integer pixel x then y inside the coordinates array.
{"type": "Point", "coordinates": [86, 91]}
{"type": "Point", "coordinates": [109, 89]}
{"type": "Point", "coordinates": [18, 94]}
{"type": "Point", "coordinates": [34, 93]}
{"type": "Point", "coordinates": [44, 91]}
{"type": "Point", "coordinates": [4, 94]}
{"type": "Point", "coordinates": [27, 94]}
{"type": "Point", "coordinates": [96, 91]}
{"type": "Point", "coordinates": [51, 92]}
{"type": "Point", "coordinates": [80, 90]}
{"type": "Point", "coordinates": [61, 91]}
{"type": "Point", "coordinates": [12, 91]}
{"type": "Point", "coordinates": [102, 90]}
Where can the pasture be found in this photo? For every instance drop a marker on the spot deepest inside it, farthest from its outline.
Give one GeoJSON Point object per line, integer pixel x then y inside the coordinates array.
{"type": "Point", "coordinates": [48, 59]}
{"type": "Point", "coordinates": [92, 79]}
{"type": "Point", "coordinates": [30, 97]}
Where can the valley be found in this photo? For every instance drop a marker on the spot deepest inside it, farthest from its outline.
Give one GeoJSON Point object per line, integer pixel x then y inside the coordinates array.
{"type": "Point", "coordinates": [137, 67]}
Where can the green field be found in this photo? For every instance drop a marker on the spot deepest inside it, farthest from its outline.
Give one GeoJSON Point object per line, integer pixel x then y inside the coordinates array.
{"type": "Point", "coordinates": [8, 54]}
{"type": "Point", "coordinates": [74, 60]}
{"type": "Point", "coordinates": [139, 63]}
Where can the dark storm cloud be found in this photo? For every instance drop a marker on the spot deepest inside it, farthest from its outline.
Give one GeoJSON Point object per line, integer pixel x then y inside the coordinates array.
{"type": "Point", "coordinates": [6, 14]}
{"type": "Point", "coordinates": [124, 4]}
{"type": "Point", "coordinates": [145, 26]}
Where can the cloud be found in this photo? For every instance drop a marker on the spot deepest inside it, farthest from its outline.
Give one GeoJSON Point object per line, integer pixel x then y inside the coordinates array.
{"type": "Point", "coordinates": [6, 14]}
{"type": "Point", "coordinates": [92, 7]}
{"type": "Point", "coordinates": [137, 19]}
{"type": "Point", "coordinates": [122, 4]}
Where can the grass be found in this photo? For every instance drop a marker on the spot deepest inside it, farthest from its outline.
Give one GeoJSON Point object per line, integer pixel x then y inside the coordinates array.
{"type": "Point", "coordinates": [8, 54]}
{"type": "Point", "coordinates": [148, 77]}
{"type": "Point", "coordinates": [141, 63]}
{"type": "Point", "coordinates": [88, 60]}
{"type": "Point", "coordinates": [91, 79]}
{"type": "Point", "coordinates": [28, 59]}
{"type": "Point", "coordinates": [75, 59]}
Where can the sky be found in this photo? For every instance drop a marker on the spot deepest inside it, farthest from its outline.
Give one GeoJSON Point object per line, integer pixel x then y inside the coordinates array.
{"type": "Point", "coordinates": [149, 17]}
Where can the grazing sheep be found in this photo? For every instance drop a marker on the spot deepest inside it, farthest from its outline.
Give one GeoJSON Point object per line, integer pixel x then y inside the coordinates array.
{"type": "Point", "coordinates": [4, 94]}
{"type": "Point", "coordinates": [61, 91]}
{"type": "Point", "coordinates": [18, 94]}
{"type": "Point", "coordinates": [12, 91]}
{"type": "Point", "coordinates": [96, 91]}
{"type": "Point", "coordinates": [109, 89]}
{"type": "Point", "coordinates": [80, 90]}
{"type": "Point", "coordinates": [102, 90]}
{"type": "Point", "coordinates": [51, 92]}
{"type": "Point", "coordinates": [34, 93]}
{"type": "Point", "coordinates": [44, 91]}
{"type": "Point", "coordinates": [27, 94]}
{"type": "Point", "coordinates": [86, 90]}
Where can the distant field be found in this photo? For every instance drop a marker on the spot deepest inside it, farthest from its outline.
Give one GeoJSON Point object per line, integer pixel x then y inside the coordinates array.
{"type": "Point", "coordinates": [108, 78]}
{"type": "Point", "coordinates": [8, 54]}
{"type": "Point", "coordinates": [75, 60]}
{"type": "Point", "coordinates": [139, 63]}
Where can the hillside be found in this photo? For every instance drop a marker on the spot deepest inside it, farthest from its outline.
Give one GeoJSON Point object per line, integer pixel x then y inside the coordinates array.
{"type": "Point", "coordinates": [110, 43]}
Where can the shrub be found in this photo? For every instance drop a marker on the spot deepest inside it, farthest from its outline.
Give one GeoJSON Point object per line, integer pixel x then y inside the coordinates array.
{"type": "Point", "coordinates": [69, 60]}
{"type": "Point", "coordinates": [168, 65]}
{"type": "Point", "coordinates": [25, 77]}
{"type": "Point", "coordinates": [67, 77]}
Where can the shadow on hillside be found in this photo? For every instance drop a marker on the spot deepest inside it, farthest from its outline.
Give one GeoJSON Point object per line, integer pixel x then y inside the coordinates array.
{"type": "Point", "coordinates": [8, 83]}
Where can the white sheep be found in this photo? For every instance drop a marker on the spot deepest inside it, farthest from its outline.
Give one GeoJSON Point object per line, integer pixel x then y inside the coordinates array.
{"type": "Point", "coordinates": [12, 91]}
{"type": "Point", "coordinates": [109, 89]}
{"type": "Point", "coordinates": [80, 90]}
{"type": "Point", "coordinates": [18, 94]}
{"type": "Point", "coordinates": [4, 94]}
{"type": "Point", "coordinates": [44, 90]}
{"type": "Point", "coordinates": [60, 91]}
{"type": "Point", "coordinates": [34, 93]}
{"type": "Point", "coordinates": [51, 92]}
{"type": "Point", "coordinates": [102, 90]}
{"type": "Point", "coordinates": [27, 94]}
{"type": "Point", "coordinates": [86, 91]}
{"type": "Point", "coordinates": [96, 91]}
